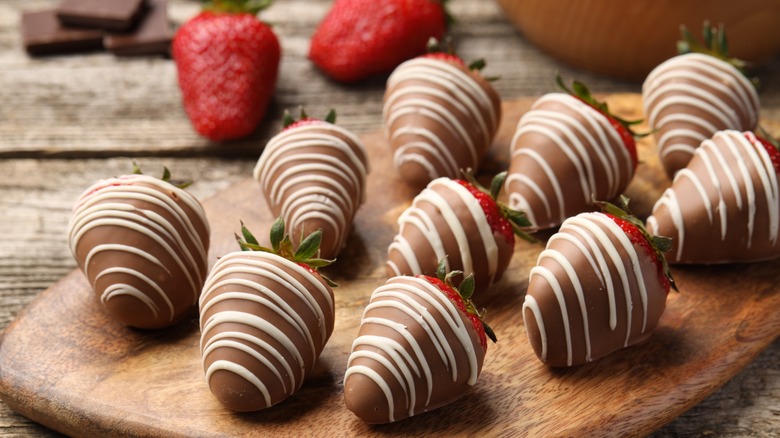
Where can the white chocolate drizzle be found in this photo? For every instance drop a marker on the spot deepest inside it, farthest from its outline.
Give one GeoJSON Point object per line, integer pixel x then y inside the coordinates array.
{"type": "Point", "coordinates": [315, 172]}
{"type": "Point", "coordinates": [736, 173]}
{"type": "Point", "coordinates": [416, 299]}
{"type": "Point", "coordinates": [445, 96]}
{"type": "Point", "coordinates": [150, 207]}
{"type": "Point", "coordinates": [576, 135]}
{"type": "Point", "coordinates": [265, 281]}
{"type": "Point", "coordinates": [690, 97]}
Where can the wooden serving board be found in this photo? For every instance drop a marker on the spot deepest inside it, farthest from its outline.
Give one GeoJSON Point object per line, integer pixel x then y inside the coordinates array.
{"type": "Point", "coordinates": [64, 364]}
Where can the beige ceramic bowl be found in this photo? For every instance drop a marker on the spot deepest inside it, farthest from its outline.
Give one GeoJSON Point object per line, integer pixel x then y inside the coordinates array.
{"type": "Point", "coordinates": [627, 38]}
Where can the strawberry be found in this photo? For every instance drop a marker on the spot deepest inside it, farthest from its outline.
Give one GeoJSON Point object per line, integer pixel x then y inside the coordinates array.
{"type": "Point", "coordinates": [440, 116]}
{"type": "Point", "coordinates": [600, 285]}
{"type": "Point", "coordinates": [313, 174]}
{"type": "Point", "coordinates": [458, 219]}
{"type": "Point", "coordinates": [724, 206]}
{"type": "Point", "coordinates": [420, 346]}
{"type": "Point", "coordinates": [142, 244]}
{"type": "Point", "coordinates": [567, 151]}
{"type": "Point", "coordinates": [266, 314]}
{"type": "Point", "coordinates": [691, 96]}
{"type": "Point", "coordinates": [358, 39]}
{"type": "Point", "coordinates": [227, 61]}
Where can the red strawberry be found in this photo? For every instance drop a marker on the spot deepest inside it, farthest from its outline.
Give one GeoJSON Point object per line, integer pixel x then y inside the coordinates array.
{"type": "Point", "coordinates": [313, 174]}
{"type": "Point", "coordinates": [599, 286]}
{"type": "Point", "coordinates": [266, 314]}
{"type": "Point", "coordinates": [566, 152]}
{"type": "Point", "coordinates": [421, 345]}
{"type": "Point", "coordinates": [458, 220]}
{"type": "Point", "coordinates": [772, 148]}
{"type": "Point", "coordinates": [362, 38]}
{"type": "Point", "coordinates": [227, 62]}
{"type": "Point", "coordinates": [142, 244]}
{"type": "Point", "coordinates": [724, 206]}
{"type": "Point", "coordinates": [691, 96]}
{"type": "Point", "coordinates": [441, 116]}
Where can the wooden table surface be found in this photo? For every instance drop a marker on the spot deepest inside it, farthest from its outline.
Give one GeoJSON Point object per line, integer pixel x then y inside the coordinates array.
{"type": "Point", "coordinates": [67, 121]}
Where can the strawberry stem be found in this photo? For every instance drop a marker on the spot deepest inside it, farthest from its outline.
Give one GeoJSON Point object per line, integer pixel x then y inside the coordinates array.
{"type": "Point", "coordinates": [237, 6]}
{"type": "Point", "coordinates": [282, 246]}
{"type": "Point", "coordinates": [715, 44]}
{"type": "Point", "coordinates": [166, 176]}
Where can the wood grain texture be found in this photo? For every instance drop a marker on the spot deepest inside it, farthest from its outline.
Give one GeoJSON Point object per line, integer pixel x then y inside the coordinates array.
{"type": "Point", "coordinates": [62, 361]}
{"type": "Point", "coordinates": [97, 107]}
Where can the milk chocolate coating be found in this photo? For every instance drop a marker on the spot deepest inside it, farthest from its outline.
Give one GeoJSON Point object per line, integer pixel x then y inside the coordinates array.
{"type": "Point", "coordinates": [724, 207]}
{"type": "Point", "coordinates": [440, 118]}
{"type": "Point", "coordinates": [264, 321]}
{"type": "Point", "coordinates": [314, 176]}
{"type": "Point", "coordinates": [142, 243]}
{"type": "Point", "coordinates": [399, 367]}
{"type": "Point", "coordinates": [445, 219]}
{"type": "Point", "coordinates": [564, 154]}
{"type": "Point", "coordinates": [585, 301]}
{"type": "Point", "coordinates": [690, 97]}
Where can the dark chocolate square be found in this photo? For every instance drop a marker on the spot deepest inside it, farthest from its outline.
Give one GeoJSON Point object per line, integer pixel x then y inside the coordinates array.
{"type": "Point", "coordinates": [43, 34]}
{"type": "Point", "coordinates": [152, 36]}
{"type": "Point", "coordinates": [115, 15]}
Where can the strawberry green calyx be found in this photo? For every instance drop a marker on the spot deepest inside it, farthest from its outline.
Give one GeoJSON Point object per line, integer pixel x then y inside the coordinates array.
{"type": "Point", "coordinates": [465, 290]}
{"type": "Point", "coordinates": [166, 176]}
{"type": "Point", "coordinates": [518, 220]}
{"type": "Point", "coordinates": [657, 244]}
{"type": "Point", "coordinates": [581, 91]}
{"type": "Point", "coordinates": [237, 6]}
{"type": "Point", "coordinates": [715, 44]}
{"type": "Point", "coordinates": [288, 120]}
{"type": "Point", "coordinates": [282, 246]}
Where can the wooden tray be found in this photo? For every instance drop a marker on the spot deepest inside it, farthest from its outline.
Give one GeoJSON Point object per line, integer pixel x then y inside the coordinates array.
{"type": "Point", "coordinates": [64, 364]}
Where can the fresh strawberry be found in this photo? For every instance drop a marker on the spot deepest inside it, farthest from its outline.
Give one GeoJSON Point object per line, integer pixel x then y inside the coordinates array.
{"type": "Point", "coordinates": [142, 244]}
{"type": "Point", "coordinates": [227, 61]}
{"type": "Point", "coordinates": [313, 174]}
{"type": "Point", "coordinates": [690, 97]}
{"type": "Point", "coordinates": [567, 151]}
{"type": "Point", "coordinates": [441, 116]}
{"type": "Point", "coordinates": [460, 220]}
{"type": "Point", "coordinates": [421, 328]}
{"type": "Point", "coordinates": [265, 316]}
{"type": "Point", "coordinates": [724, 205]}
{"type": "Point", "coordinates": [358, 39]}
{"type": "Point", "coordinates": [599, 286]}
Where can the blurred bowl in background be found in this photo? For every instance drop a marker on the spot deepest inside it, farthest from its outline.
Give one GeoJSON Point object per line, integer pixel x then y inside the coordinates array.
{"type": "Point", "coordinates": [627, 39]}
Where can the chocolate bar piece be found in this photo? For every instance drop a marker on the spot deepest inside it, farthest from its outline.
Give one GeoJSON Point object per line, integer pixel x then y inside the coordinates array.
{"type": "Point", "coordinates": [152, 36]}
{"type": "Point", "coordinates": [115, 15]}
{"type": "Point", "coordinates": [43, 34]}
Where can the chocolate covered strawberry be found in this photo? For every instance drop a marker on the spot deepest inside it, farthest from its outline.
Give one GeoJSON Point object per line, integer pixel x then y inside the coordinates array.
{"type": "Point", "coordinates": [313, 174]}
{"type": "Point", "coordinates": [440, 117]}
{"type": "Point", "coordinates": [358, 39]}
{"type": "Point", "coordinates": [265, 316]}
{"type": "Point", "coordinates": [227, 62]}
{"type": "Point", "coordinates": [420, 346]}
{"type": "Point", "coordinates": [691, 96]}
{"type": "Point", "coordinates": [599, 286]}
{"type": "Point", "coordinates": [567, 151]}
{"type": "Point", "coordinates": [142, 244]}
{"type": "Point", "coordinates": [460, 221]}
{"type": "Point", "coordinates": [725, 205]}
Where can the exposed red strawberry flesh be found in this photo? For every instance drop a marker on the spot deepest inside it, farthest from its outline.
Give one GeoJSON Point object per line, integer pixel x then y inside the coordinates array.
{"type": "Point", "coordinates": [774, 153]}
{"type": "Point", "coordinates": [454, 295]}
{"type": "Point", "coordinates": [636, 237]}
{"type": "Point", "coordinates": [303, 122]}
{"type": "Point", "coordinates": [446, 57]}
{"type": "Point", "coordinates": [625, 133]}
{"type": "Point", "coordinates": [498, 223]}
